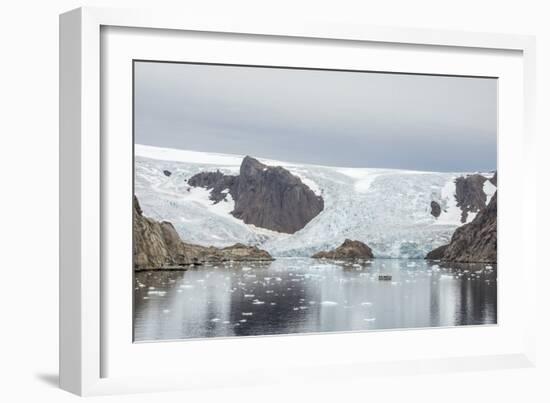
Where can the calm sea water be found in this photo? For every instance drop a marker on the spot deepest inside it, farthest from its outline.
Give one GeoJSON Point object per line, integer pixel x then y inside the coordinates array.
{"type": "Point", "coordinates": [302, 295]}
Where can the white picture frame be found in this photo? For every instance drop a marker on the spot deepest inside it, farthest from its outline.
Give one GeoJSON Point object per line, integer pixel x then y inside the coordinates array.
{"type": "Point", "coordinates": [89, 353]}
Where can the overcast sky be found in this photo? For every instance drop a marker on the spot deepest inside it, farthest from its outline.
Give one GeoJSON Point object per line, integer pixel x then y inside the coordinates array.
{"type": "Point", "coordinates": [322, 117]}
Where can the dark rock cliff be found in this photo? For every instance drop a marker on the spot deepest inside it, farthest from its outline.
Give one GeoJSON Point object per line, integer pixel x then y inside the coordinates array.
{"type": "Point", "coordinates": [473, 242]}
{"type": "Point", "coordinates": [218, 184]}
{"type": "Point", "coordinates": [348, 250]}
{"type": "Point", "coordinates": [265, 196]}
{"type": "Point", "coordinates": [470, 196]}
{"type": "Point", "coordinates": [158, 246]}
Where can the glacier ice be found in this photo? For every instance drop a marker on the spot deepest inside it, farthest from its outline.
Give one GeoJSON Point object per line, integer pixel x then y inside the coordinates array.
{"type": "Point", "coordinates": [385, 208]}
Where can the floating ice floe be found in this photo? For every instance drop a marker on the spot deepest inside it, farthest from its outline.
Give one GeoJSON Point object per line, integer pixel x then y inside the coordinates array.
{"type": "Point", "coordinates": [215, 320]}
{"type": "Point", "coordinates": [246, 314]}
{"type": "Point", "coordinates": [159, 293]}
{"type": "Point", "coordinates": [166, 311]}
{"type": "Point", "coordinates": [249, 295]}
{"type": "Point", "coordinates": [369, 319]}
{"type": "Point", "coordinates": [257, 302]}
{"type": "Point", "coordinates": [329, 303]}
{"type": "Point", "coordinates": [366, 303]}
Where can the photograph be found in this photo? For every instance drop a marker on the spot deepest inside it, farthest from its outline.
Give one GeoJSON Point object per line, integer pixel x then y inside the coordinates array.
{"type": "Point", "coordinates": [276, 200]}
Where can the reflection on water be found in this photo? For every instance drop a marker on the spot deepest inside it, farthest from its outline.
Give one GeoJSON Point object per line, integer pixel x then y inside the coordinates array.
{"type": "Point", "coordinates": [301, 295]}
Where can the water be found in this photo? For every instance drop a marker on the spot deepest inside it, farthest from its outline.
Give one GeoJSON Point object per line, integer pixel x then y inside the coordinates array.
{"type": "Point", "coordinates": [302, 295]}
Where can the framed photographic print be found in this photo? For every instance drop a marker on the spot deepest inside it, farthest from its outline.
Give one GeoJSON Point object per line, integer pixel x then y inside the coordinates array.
{"type": "Point", "coordinates": [256, 199]}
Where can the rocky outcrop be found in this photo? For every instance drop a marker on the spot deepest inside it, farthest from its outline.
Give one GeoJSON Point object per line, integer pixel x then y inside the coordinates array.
{"type": "Point", "coordinates": [219, 184]}
{"type": "Point", "coordinates": [437, 253]}
{"type": "Point", "coordinates": [167, 172]}
{"type": "Point", "coordinates": [265, 196]}
{"type": "Point", "coordinates": [470, 196]}
{"type": "Point", "coordinates": [150, 247]}
{"type": "Point", "coordinates": [475, 241]}
{"type": "Point", "coordinates": [436, 209]}
{"type": "Point", "coordinates": [348, 250]}
{"type": "Point", "coordinates": [159, 246]}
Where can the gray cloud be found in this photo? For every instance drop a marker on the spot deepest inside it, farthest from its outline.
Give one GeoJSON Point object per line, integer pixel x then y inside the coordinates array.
{"type": "Point", "coordinates": [351, 119]}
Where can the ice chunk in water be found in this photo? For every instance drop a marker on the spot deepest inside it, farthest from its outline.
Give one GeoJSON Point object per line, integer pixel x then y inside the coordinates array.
{"type": "Point", "coordinates": [159, 293]}
{"type": "Point", "coordinates": [246, 313]}
{"type": "Point", "coordinates": [329, 303]}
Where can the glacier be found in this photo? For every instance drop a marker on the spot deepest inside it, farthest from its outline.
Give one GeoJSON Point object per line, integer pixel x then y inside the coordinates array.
{"type": "Point", "coordinates": [388, 209]}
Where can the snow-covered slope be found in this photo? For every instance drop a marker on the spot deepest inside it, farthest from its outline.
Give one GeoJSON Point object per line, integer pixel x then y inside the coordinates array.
{"type": "Point", "coordinates": [387, 209]}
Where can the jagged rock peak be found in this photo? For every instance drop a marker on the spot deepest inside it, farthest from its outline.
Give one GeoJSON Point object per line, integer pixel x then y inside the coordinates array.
{"type": "Point", "coordinates": [265, 196]}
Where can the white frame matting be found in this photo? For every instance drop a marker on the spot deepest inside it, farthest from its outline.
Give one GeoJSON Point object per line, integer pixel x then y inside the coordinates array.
{"type": "Point", "coordinates": [96, 356]}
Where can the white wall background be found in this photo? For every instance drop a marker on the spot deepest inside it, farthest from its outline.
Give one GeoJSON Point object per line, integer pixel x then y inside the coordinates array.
{"type": "Point", "coordinates": [29, 201]}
